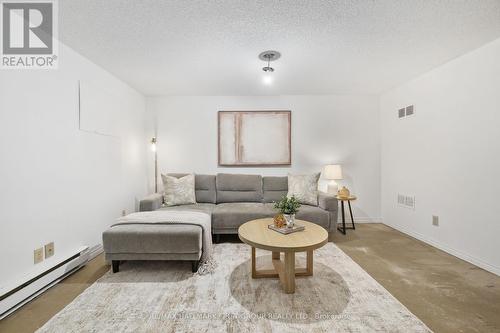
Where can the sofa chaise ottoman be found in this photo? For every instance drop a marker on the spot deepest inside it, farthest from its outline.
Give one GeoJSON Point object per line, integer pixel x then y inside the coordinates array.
{"type": "Point", "coordinates": [153, 242]}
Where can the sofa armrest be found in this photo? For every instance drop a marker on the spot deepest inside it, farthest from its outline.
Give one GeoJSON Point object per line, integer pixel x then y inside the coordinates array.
{"type": "Point", "coordinates": [329, 203]}
{"type": "Point", "coordinates": [151, 202]}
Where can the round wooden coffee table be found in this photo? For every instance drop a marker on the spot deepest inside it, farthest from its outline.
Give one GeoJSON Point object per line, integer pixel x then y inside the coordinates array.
{"type": "Point", "coordinates": [257, 234]}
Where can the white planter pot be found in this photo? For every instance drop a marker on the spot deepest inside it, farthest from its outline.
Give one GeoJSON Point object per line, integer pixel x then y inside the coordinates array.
{"type": "Point", "coordinates": [290, 220]}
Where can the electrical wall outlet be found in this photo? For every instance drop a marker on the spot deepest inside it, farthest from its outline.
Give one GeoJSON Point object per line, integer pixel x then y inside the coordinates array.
{"type": "Point", "coordinates": [435, 220]}
{"type": "Point", "coordinates": [49, 250]}
{"type": "Point", "coordinates": [38, 255]}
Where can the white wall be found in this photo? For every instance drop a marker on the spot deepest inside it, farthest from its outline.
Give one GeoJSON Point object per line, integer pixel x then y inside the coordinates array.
{"type": "Point", "coordinates": [448, 156]}
{"type": "Point", "coordinates": [325, 129]}
{"type": "Point", "coordinates": [59, 183]}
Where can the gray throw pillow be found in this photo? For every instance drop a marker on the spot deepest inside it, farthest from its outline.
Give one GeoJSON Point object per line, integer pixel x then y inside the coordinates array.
{"type": "Point", "coordinates": [304, 188]}
{"type": "Point", "coordinates": [179, 191]}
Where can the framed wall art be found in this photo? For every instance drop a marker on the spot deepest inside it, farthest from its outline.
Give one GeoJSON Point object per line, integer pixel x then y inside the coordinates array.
{"type": "Point", "coordinates": [254, 138]}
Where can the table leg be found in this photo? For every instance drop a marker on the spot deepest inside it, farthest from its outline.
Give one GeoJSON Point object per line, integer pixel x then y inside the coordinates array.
{"type": "Point", "coordinates": [352, 217]}
{"type": "Point", "coordinates": [343, 229]}
{"type": "Point", "coordinates": [254, 268]}
{"type": "Point", "coordinates": [309, 262]}
{"type": "Point", "coordinates": [289, 272]}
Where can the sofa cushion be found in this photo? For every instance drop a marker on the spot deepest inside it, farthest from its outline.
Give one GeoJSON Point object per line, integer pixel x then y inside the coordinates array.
{"type": "Point", "coordinates": [153, 238]}
{"type": "Point", "coordinates": [274, 188]}
{"type": "Point", "coordinates": [229, 216]}
{"type": "Point", "coordinates": [204, 186]}
{"type": "Point", "coordinates": [314, 214]}
{"type": "Point", "coordinates": [304, 188]}
{"type": "Point", "coordinates": [179, 191]}
{"type": "Point", "coordinates": [238, 188]}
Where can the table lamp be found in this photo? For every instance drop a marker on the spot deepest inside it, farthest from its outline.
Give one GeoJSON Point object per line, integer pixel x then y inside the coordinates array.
{"type": "Point", "coordinates": [332, 172]}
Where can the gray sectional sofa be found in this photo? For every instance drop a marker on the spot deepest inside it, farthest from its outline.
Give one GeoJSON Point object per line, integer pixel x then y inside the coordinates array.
{"type": "Point", "coordinates": [233, 199]}
{"type": "Point", "coordinates": [229, 199]}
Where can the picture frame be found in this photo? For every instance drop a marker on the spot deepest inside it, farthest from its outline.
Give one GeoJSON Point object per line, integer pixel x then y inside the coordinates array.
{"type": "Point", "coordinates": [254, 138]}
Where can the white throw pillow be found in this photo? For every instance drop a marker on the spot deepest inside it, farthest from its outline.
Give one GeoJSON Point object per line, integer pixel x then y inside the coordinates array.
{"type": "Point", "coordinates": [304, 188]}
{"type": "Point", "coordinates": [179, 191]}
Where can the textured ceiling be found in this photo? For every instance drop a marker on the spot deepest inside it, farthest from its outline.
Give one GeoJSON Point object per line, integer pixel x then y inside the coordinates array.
{"type": "Point", "coordinates": [206, 47]}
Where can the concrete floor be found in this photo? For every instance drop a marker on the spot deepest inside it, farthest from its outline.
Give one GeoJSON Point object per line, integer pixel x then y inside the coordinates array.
{"type": "Point", "coordinates": [446, 293]}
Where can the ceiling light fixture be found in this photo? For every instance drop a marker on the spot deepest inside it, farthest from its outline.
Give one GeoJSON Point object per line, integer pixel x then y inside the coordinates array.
{"type": "Point", "coordinates": [268, 56]}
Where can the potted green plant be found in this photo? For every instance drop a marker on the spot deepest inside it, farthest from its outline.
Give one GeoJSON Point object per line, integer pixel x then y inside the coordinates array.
{"type": "Point", "coordinates": [288, 207]}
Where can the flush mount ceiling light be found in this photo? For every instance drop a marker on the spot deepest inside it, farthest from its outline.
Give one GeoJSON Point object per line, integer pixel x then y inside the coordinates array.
{"type": "Point", "coordinates": [268, 56]}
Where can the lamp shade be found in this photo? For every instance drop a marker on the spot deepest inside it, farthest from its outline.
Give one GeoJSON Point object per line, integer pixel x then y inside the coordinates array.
{"type": "Point", "coordinates": [332, 171]}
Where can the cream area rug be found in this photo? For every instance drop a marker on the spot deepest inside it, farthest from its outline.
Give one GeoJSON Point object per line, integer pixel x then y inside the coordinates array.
{"type": "Point", "coordinates": [167, 297]}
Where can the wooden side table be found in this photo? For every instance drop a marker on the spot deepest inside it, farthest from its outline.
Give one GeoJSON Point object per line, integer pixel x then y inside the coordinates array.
{"type": "Point", "coordinates": [342, 200]}
{"type": "Point", "coordinates": [257, 234]}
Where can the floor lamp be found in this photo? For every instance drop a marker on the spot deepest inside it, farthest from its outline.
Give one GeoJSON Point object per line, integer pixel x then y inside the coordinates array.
{"type": "Point", "coordinates": [153, 148]}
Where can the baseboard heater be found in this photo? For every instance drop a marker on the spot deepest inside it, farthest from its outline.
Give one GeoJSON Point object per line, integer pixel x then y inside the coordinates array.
{"type": "Point", "coordinates": [25, 292]}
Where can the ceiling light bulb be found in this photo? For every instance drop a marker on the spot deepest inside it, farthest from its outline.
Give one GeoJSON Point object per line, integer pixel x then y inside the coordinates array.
{"type": "Point", "coordinates": [267, 79]}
